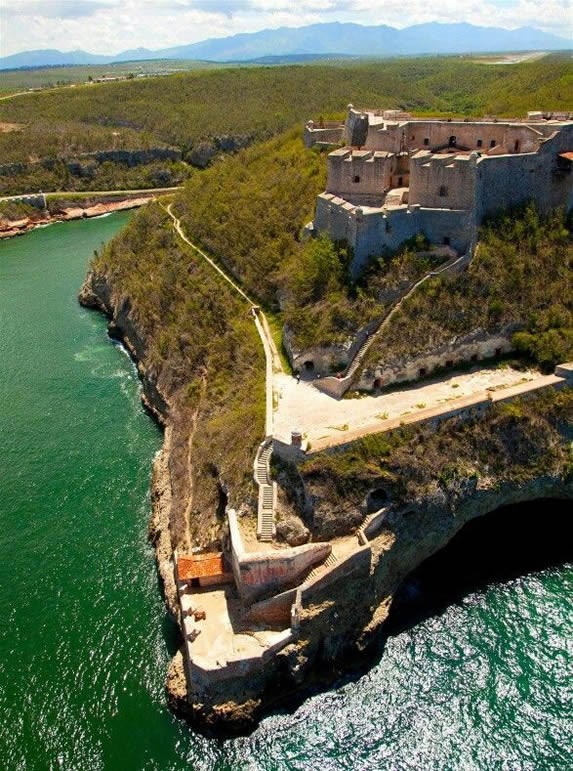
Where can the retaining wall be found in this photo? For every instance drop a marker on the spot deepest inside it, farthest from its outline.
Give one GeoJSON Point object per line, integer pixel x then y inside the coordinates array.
{"type": "Point", "coordinates": [478, 345]}
{"type": "Point", "coordinates": [259, 574]}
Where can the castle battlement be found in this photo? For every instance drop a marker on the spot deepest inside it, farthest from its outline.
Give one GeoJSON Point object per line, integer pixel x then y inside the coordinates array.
{"type": "Point", "coordinates": [448, 174]}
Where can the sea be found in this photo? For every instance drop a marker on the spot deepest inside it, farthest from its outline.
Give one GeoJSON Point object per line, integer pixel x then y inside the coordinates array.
{"type": "Point", "coordinates": [475, 673]}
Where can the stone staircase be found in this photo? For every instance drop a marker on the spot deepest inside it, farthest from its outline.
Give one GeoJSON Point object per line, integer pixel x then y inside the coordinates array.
{"type": "Point", "coordinates": [317, 570]}
{"type": "Point", "coordinates": [267, 493]}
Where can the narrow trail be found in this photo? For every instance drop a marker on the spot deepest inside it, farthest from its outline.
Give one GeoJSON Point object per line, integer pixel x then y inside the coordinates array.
{"type": "Point", "coordinates": [267, 488]}
{"type": "Point", "coordinates": [86, 193]}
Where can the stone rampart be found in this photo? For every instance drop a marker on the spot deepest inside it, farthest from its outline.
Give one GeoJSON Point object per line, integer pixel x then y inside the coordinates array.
{"type": "Point", "coordinates": [360, 176]}
{"type": "Point", "coordinates": [442, 181]}
{"type": "Point", "coordinates": [476, 346]}
{"type": "Point", "coordinates": [371, 231]}
{"type": "Point", "coordinates": [328, 133]}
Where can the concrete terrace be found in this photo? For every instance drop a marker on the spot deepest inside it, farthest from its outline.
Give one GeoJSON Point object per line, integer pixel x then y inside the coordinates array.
{"type": "Point", "coordinates": [326, 422]}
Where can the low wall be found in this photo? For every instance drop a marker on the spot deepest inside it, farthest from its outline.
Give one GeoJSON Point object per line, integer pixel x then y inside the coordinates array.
{"type": "Point", "coordinates": [329, 135]}
{"type": "Point", "coordinates": [204, 674]}
{"type": "Point", "coordinates": [265, 573]}
{"type": "Point", "coordinates": [274, 611]}
{"type": "Point", "coordinates": [463, 408]}
{"type": "Point", "coordinates": [259, 574]}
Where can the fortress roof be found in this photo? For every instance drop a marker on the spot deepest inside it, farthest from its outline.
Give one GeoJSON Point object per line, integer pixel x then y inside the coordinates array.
{"type": "Point", "coordinates": [201, 566]}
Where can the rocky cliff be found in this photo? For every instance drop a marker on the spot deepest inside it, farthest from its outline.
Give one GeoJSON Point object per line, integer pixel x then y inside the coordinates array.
{"type": "Point", "coordinates": [430, 482]}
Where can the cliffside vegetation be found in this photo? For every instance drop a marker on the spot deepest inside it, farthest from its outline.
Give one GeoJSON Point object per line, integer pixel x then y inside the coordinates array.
{"type": "Point", "coordinates": [201, 349]}
{"type": "Point", "coordinates": [513, 443]}
{"type": "Point", "coordinates": [520, 279]}
{"type": "Point", "coordinates": [249, 210]}
{"type": "Point", "coordinates": [205, 112]}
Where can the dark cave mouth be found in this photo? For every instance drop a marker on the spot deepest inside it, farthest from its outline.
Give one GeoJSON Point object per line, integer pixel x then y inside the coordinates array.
{"type": "Point", "coordinates": [496, 548]}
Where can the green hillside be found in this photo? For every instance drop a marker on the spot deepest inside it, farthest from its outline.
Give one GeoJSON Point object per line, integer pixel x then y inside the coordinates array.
{"type": "Point", "coordinates": [213, 110]}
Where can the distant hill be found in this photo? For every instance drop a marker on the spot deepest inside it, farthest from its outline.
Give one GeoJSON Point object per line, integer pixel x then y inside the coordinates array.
{"type": "Point", "coordinates": [320, 40]}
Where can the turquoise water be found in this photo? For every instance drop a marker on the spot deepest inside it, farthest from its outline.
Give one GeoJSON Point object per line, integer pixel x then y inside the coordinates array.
{"type": "Point", "coordinates": [84, 639]}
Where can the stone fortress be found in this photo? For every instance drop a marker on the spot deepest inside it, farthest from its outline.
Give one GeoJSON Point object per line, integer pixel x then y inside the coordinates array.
{"type": "Point", "coordinates": [399, 176]}
{"type": "Point", "coordinates": [259, 615]}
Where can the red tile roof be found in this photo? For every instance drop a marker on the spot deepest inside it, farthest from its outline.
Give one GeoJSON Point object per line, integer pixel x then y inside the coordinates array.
{"type": "Point", "coordinates": [568, 156]}
{"type": "Point", "coordinates": [201, 566]}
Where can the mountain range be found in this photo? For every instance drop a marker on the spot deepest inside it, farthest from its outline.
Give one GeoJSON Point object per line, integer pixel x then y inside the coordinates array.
{"type": "Point", "coordinates": [320, 39]}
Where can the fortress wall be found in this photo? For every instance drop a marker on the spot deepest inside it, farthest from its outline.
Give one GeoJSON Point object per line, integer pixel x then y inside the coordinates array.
{"type": "Point", "coordinates": [478, 345]}
{"type": "Point", "coordinates": [369, 233]}
{"type": "Point", "coordinates": [453, 224]}
{"type": "Point", "coordinates": [359, 176]}
{"type": "Point", "coordinates": [442, 182]}
{"type": "Point", "coordinates": [355, 128]}
{"type": "Point", "coordinates": [434, 134]}
{"type": "Point", "coordinates": [330, 135]}
{"type": "Point", "coordinates": [386, 137]}
{"type": "Point", "coordinates": [509, 180]}
{"type": "Point", "coordinates": [334, 218]}
{"type": "Point", "coordinates": [376, 231]}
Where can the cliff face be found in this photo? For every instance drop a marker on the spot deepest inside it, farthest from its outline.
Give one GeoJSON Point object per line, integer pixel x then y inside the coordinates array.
{"type": "Point", "coordinates": [344, 622]}
{"type": "Point", "coordinates": [97, 293]}
{"type": "Point", "coordinates": [432, 485]}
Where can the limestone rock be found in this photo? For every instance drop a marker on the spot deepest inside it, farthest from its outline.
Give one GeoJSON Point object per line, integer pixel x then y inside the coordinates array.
{"type": "Point", "coordinates": [292, 530]}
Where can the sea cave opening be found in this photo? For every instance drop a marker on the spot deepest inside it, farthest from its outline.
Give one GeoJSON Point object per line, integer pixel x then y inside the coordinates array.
{"type": "Point", "coordinates": [498, 547]}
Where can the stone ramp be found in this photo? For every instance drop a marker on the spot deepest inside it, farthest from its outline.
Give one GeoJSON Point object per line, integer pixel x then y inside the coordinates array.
{"type": "Point", "coordinates": [337, 386]}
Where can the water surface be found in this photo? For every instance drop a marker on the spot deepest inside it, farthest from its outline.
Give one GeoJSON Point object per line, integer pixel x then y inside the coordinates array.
{"type": "Point", "coordinates": [84, 639]}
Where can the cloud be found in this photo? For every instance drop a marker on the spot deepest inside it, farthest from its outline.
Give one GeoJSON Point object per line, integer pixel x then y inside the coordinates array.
{"type": "Point", "coordinates": [56, 9]}
{"type": "Point", "coordinates": [110, 26]}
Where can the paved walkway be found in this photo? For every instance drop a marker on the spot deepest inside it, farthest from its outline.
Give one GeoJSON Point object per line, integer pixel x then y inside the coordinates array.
{"type": "Point", "coordinates": [322, 418]}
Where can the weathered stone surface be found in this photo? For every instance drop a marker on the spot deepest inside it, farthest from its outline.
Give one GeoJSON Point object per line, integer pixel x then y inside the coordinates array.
{"type": "Point", "coordinates": [292, 530]}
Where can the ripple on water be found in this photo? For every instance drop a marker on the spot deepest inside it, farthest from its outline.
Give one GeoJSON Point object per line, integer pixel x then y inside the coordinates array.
{"type": "Point", "coordinates": [484, 683]}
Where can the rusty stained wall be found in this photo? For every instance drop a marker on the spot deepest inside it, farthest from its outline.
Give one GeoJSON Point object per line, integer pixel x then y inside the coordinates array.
{"type": "Point", "coordinates": [268, 573]}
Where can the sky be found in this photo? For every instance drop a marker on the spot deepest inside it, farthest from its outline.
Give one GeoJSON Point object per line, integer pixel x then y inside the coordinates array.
{"type": "Point", "coordinates": [111, 26]}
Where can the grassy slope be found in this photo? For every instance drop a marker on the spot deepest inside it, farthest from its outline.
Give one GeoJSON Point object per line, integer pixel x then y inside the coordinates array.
{"type": "Point", "coordinates": [521, 275]}
{"type": "Point", "coordinates": [254, 103]}
{"type": "Point", "coordinates": [203, 348]}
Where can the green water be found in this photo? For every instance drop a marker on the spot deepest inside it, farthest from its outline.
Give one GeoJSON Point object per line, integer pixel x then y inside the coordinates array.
{"type": "Point", "coordinates": [84, 639]}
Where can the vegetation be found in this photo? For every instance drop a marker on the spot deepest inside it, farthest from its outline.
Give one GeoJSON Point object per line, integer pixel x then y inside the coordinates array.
{"type": "Point", "coordinates": [212, 110]}
{"type": "Point", "coordinates": [513, 443]}
{"type": "Point", "coordinates": [16, 210]}
{"type": "Point", "coordinates": [519, 279]}
{"type": "Point", "coordinates": [20, 79]}
{"type": "Point", "coordinates": [249, 211]}
{"type": "Point", "coordinates": [202, 349]}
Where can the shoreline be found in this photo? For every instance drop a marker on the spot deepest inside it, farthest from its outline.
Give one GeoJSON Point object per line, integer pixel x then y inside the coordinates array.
{"type": "Point", "coordinates": [13, 228]}
{"type": "Point", "coordinates": [342, 619]}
